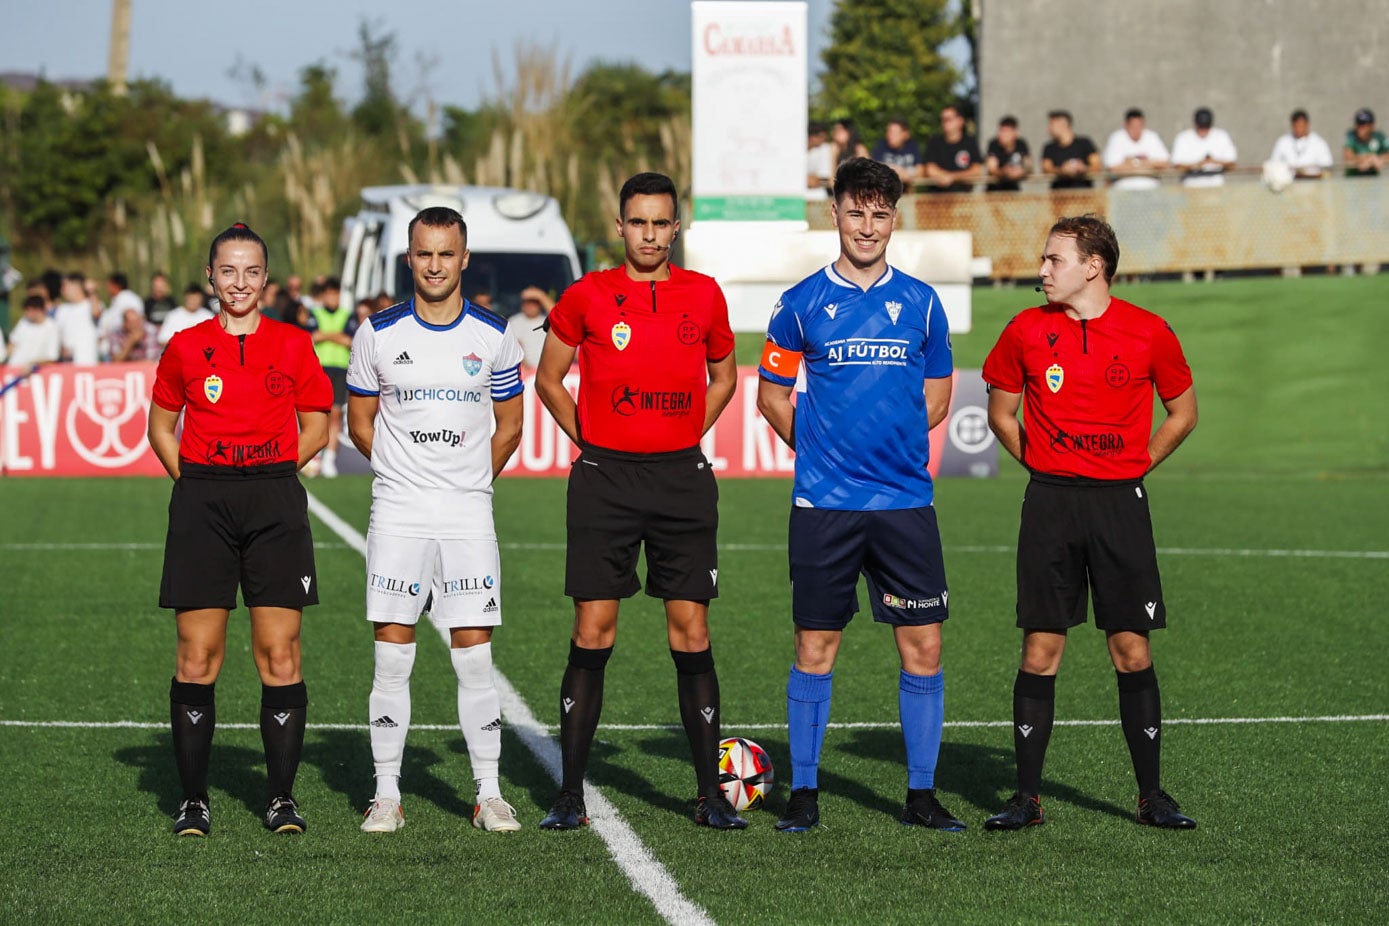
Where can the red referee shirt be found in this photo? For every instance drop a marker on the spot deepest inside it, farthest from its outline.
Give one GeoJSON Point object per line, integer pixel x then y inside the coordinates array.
{"type": "Point", "coordinates": [643, 350]}
{"type": "Point", "coordinates": [240, 393]}
{"type": "Point", "coordinates": [1088, 385]}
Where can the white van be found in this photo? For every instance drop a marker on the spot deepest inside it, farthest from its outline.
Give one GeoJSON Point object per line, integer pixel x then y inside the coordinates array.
{"type": "Point", "coordinates": [517, 239]}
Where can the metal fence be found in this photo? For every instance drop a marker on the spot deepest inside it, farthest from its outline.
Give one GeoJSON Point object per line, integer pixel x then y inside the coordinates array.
{"type": "Point", "coordinates": [1171, 229]}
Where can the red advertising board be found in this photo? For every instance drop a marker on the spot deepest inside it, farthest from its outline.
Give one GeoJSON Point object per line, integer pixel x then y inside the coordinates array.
{"type": "Point", "coordinates": [67, 420]}
{"type": "Point", "coordinates": [90, 421]}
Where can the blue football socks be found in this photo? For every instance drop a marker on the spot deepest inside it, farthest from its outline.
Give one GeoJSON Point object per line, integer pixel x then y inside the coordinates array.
{"type": "Point", "coordinates": [921, 706]}
{"type": "Point", "coordinates": [807, 713]}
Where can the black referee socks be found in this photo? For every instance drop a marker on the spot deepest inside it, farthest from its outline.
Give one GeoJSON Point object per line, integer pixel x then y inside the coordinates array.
{"type": "Point", "coordinates": [698, 686]}
{"type": "Point", "coordinates": [1140, 714]}
{"type": "Point", "coordinates": [1034, 708]}
{"type": "Point", "coordinates": [580, 703]}
{"type": "Point", "coordinates": [192, 716]}
{"type": "Point", "coordinates": [283, 710]}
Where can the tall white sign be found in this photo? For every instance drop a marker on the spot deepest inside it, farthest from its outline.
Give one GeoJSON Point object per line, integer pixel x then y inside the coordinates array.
{"type": "Point", "coordinates": [750, 78]}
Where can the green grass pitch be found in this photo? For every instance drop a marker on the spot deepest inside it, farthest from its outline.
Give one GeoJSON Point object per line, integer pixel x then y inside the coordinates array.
{"type": "Point", "coordinates": [1292, 455]}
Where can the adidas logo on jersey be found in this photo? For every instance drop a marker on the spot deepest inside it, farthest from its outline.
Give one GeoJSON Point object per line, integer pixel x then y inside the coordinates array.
{"type": "Point", "coordinates": [490, 607]}
{"type": "Point", "coordinates": [384, 721]}
{"type": "Point", "coordinates": [494, 725]}
{"type": "Point", "coordinates": [404, 358]}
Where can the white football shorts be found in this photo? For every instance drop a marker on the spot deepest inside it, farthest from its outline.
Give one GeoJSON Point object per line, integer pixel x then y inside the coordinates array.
{"type": "Point", "coordinates": [464, 576]}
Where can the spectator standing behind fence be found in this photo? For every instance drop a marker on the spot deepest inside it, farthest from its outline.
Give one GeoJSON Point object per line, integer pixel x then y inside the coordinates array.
{"type": "Point", "coordinates": [185, 316]}
{"type": "Point", "coordinates": [1306, 152]}
{"type": "Point", "coordinates": [1366, 150]}
{"type": "Point", "coordinates": [160, 302]}
{"type": "Point", "coordinates": [1069, 159]}
{"type": "Point", "coordinates": [899, 151]}
{"type": "Point", "coordinates": [35, 338]}
{"type": "Point", "coordinates": [819, 161]}
{"type": "Point", "coordinates": [952, 161]}
{"type": "Point", "coordinates": [1203, 152]}
{"type": "Point", "coordinates": [136, 339]}
{"type": "Point", "coordinates": [1008, 160]}
{"type": "Point", "coordinates": [76, 327]}
{"type": "Point", "coordinates": [112, 324]}
{"type": "Point", "coordinates": [847, 144]}
{"type": "Point", "coordinates": [528, 325]}
{"type": "Point", "coordinates": [1135, 154]}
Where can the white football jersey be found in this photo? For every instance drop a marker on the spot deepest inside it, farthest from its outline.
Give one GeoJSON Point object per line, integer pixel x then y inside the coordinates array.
{"type": "Point", "coordinates": [432, 451]}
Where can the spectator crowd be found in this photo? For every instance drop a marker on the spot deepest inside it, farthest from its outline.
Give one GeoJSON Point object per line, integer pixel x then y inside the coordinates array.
{"type": "Point", "coordinates": [1134, 157]}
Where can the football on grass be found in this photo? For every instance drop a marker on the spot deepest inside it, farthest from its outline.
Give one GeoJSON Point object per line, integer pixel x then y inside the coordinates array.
{"type": "Point", "coordinates": [745, 772]}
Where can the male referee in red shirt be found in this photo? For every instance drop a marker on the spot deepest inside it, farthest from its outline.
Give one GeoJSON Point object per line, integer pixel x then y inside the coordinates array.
{"type": "Point", "coordinates": [656, 369]}
{"type": "Point", "coordinates": [1084, 367]}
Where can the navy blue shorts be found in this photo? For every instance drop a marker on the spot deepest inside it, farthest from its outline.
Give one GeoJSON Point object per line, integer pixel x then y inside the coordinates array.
{"type": "Point", "coordinates": [897, 551]}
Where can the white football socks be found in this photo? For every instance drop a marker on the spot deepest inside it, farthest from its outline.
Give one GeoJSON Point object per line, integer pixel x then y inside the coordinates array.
{"type": "Point", "coordinates": [389, 707]}
{"type": "Point", "coordinates": [479, 715]}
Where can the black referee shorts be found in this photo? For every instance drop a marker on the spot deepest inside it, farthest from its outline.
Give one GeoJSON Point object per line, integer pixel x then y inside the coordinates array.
{"type": "Point", "coordinates": [1086, 538]}
{"type": "Point", "coordinates": [337, 377]}
{"type": "Point", "coordinates": [238, 526]}
{"type": "Point", "coordinates": [618, 501]}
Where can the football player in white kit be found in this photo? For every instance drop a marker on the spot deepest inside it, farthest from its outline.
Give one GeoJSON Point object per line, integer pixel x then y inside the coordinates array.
{"type": "Point", "coordinates": [426, 381]}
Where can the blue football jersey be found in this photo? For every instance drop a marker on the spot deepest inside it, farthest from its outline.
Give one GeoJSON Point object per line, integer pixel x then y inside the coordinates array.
{"type": "Point", "coordinates": [861, 426]}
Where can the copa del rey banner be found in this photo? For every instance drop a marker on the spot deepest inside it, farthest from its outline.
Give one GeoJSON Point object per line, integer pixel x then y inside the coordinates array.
{"type": "Point", "coordinates": [91, 421]}
{"type": "Point", "coordinates": [66, 420]}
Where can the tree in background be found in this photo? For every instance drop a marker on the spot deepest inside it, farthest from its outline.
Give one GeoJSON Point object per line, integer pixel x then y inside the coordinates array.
{"type": "Point", "coordinates": [884, 61]}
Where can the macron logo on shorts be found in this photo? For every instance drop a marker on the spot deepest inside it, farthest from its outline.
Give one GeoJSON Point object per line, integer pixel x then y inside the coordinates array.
{"type": "Point", "coordinates": [714, 576]}
{"type": "Point", "coordinates": [306, 581]}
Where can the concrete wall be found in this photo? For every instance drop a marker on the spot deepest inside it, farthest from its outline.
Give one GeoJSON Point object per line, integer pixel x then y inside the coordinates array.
{"type": "Point", "coordinates": [1251, 61]}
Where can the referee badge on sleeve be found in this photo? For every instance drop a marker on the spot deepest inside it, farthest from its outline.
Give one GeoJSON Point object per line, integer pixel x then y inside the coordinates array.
{"type": "Point", "coordinates": [212, 388]}
{"type": "Point", "coordinates": [1055, 375]}
{"type": "Point", "coordinates": [622, 334]}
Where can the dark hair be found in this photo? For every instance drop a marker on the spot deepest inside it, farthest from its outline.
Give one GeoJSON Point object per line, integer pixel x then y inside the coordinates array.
{"type": "Point", "coordinates": [192, 288]}
{"type": "Point", "coordinates": [1010, 121]}
{"type": "Point", "coordinates": [867, 181]}
{"type": "Point", "coordinates": [1133, 113]}
{"type": "Point", "coordinates": [53, 283]}
{"type": "Point", "coordinates": [120, 279]}
{"type": "Point", "coordinates": [1060, 114]}
{"type": "Point", "coordinates": [816, 128]}
{"type": "Point", "coordinates": [1298, 114]}
{"type": "Point", "coordinates": [1094, 238]}
{"type": "Point", "coordinates": [331, 283]}
{"type": "Point", "coordinates": [35, 302]}
{"type": "Point", "coordinates": [647, 183]}
{"type": "Point", "coordinates": [74, 277]}
{"type": "Point", "coordinates": [437, 217]}
{"type": "Point", "coordinates": [239, 231]}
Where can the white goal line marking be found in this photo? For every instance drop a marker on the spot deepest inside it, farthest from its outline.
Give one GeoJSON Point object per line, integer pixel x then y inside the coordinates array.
{"type": "Point", "coordinates": [773, 548]}
{"type": "Point", "coordinates": [534, 727]}
{"type": "Point", "coordinates": [644, 871]}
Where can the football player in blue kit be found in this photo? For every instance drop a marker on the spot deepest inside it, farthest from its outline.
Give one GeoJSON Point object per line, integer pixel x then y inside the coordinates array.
{"type": "Point", "coordinates": [866, 350]}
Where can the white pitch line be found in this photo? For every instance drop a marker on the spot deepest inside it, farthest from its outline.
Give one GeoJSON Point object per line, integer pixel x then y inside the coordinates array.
{"type": "Point", "coordinates": [73, 547]}
{"type": "Point", "coordinates": [529, 723]}
{"type": "Point", "coordinates": [643, 870]}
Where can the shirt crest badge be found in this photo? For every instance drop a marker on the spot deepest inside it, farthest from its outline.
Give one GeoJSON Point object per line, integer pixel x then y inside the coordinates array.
{"type": "Point", "coordinates": [894, 309]}
{"type": "Point", "coordinates": [622, 335]}
{"type": "Point", "coordinates": [472, 364]}
{"type": "Point", "coordinates": [212, 388]}
{"type": "Point", "coordinates": [1055, 376]}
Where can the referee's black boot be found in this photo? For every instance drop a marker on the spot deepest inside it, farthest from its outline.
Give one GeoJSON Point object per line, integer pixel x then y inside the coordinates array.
{"type": "Point", "coordinates": [922, 809]}
{"type": "Point", "coordinates": [1158, 809]}
{"type": "Point", "coordinates": [1019, 812]}
{"type": "Point", "coordinates": [716, 812]}
{"type": "Point", "coordinates": [194, 817]}
{"type": "Point", "coordinates": [282, 816]}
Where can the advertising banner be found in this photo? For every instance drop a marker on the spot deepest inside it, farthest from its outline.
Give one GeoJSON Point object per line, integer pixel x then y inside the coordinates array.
{"type": "Point", "coordinates": [91, 421]}
{"type": "Point", "coordinates": [750, 85]}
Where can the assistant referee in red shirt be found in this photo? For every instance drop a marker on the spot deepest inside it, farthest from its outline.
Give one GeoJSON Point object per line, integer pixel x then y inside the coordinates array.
{"type": "Point", "coordinates": [656, 368]}
{"type": "Point", "coordinates": [1085, 367]}
{"type": "Point", "coordinates": [255, 406]}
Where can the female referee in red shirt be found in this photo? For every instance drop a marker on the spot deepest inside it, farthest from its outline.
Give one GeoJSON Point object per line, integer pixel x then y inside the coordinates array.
{"type": "Point", "coordinates": [255, 407]}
